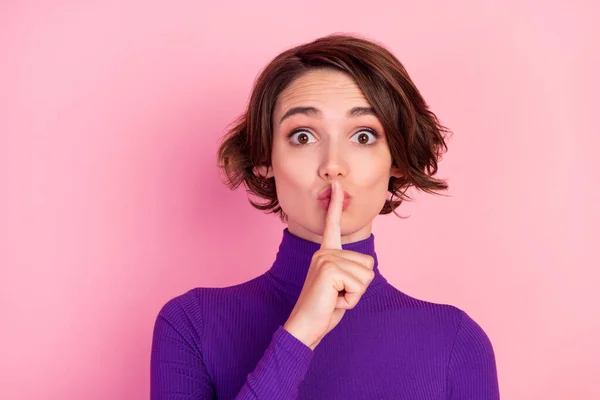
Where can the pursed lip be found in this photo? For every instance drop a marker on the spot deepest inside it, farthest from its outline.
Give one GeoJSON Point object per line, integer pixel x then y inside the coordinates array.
{"type": "Point", "coordinates": [326, 194]}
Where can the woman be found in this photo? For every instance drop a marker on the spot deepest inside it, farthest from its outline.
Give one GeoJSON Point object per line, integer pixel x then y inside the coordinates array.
{"type": "Point", "coordinates": [332, 126]}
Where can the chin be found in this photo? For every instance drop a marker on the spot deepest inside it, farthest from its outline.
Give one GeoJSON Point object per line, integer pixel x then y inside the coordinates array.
{"type": "Point", "coordinates": [311, 222]}
{"type": "Point", "coordinates": [348, 226]}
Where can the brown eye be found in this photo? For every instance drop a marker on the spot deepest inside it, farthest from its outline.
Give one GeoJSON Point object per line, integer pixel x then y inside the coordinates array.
{"type": "Point", "coordinates": [363, 138]}
{"type": "Point", "coordinates": [365, 135]}
{"type": "Point", "coordinates": [302, 137]}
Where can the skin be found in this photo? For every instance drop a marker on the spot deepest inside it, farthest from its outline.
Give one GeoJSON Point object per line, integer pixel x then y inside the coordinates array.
{"type": "Point", "coordinates": [331, 146]}
{"type": "Point", "coordinates": [335, 282]}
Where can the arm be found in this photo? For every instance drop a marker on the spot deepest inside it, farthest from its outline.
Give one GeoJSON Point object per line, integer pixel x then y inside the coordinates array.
{"type": "Point", "coordinates": [472, 366]}
{"type": "Point", "coordinates": [280, 371]}
{"type": "Point", "coordinates": [178, 371]}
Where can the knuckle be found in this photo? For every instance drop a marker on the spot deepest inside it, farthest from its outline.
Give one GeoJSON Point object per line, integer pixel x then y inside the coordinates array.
{"type": "Point", "coordinates": [321, 253]}
{"type": "Point", "coordinates": [318, 256]}
{"type": "Point", "coordinates": [366, 280]}
{"type": "Point", "coordinates": [370, 261]}
{"type": "Point", "coordinates": [327, 265]}
{"type": "Point", "coordinates": [355, 301]}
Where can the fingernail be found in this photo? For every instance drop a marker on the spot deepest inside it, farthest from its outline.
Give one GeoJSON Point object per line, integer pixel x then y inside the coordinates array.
{"type": "Point", "coordinates": [333, 187]}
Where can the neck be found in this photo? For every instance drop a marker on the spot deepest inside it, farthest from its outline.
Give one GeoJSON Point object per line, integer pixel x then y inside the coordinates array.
{"type": "Point", "coordinates": [301, 232]}
{"type": "Point", "coordinates": [295, 255]}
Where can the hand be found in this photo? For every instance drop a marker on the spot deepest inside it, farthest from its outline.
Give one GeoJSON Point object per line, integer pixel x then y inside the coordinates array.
{"type": "Point", "coordinates": [335, 282]}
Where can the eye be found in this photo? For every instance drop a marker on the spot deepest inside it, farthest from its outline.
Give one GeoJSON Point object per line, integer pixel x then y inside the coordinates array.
{"type": "Point", "coordinates": [301, 135]}
{"type": "Point", "coordinates": [363, 136]}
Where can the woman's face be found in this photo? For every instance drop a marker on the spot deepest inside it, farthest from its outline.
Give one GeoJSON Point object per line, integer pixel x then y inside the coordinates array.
{"type": "Point", "coordinates": [324, 129]}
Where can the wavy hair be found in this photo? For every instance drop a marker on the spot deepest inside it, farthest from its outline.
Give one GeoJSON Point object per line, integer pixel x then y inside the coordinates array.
{"type": "Point", "coordinates": [415, 136]}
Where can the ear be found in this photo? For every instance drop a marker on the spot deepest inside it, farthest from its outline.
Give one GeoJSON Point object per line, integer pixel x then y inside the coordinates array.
{"type": "Point", "coordinates": [395, 172]}
{"type": "Point", "coordinates": [264, 171]}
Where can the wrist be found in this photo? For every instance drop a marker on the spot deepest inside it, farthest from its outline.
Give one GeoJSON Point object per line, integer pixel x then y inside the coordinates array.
{"type": "Point", "coordinates": [302, 336]}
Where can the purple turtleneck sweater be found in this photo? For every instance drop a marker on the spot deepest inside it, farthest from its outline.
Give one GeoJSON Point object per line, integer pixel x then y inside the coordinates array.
{"type": "Point", "coordinates": [229, 343]}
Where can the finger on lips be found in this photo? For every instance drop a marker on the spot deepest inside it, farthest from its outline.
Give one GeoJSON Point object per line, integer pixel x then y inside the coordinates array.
{"type": "Point", "coordinates": [332, 237]}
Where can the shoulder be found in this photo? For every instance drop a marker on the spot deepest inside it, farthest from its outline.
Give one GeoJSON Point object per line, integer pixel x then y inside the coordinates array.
{"type": "Point", "coordinates": [454, 321]}
{"type": "Point", "coordinates": [446, 314]}
{"type": "Point", "coordinates": [472, 371]}
{"type": "Point", "coordinates": [471, 340]}
{"type": "Point", "coordinates": [193, 305]}
{"type": "Point", "coordinates": [471, 357]}
{"type": "Point", "coordinates": [190, 316]}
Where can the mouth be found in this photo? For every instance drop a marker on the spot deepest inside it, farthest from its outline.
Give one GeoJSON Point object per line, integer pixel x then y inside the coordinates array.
{"type": "Point", "coordinates": [324, 199]}
{"type": "Point", "coordinates": [324, 203]}
{"type": "Point", "coordinates": [326, 194]}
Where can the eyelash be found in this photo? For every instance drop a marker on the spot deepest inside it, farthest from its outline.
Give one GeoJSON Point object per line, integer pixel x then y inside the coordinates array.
{"type": "Point", "coordinates": [371, 131]}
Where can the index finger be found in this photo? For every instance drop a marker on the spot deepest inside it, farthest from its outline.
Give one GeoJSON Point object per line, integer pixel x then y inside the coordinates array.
{"type": "Point", "coordinates": [332, 236]}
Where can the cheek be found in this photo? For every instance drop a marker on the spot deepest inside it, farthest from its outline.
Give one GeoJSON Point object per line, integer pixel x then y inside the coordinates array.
{"type": "Point", "coordinates": [376, 192]}
{"type": "Point", "coordinates": [374, 180]}
{"type": "Point", "coordinates": [374, 173]}
{"type": "Point", "coordinates": [291, 172]}
{"type": "Point", "coordinates": [293, 182]}
{"type": "Point", "coordinates": [293, 167]}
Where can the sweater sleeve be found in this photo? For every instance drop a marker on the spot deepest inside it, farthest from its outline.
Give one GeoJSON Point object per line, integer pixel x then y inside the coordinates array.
{"type": "Point", "coordinates": [280, 371]}
{"type": "Point", "coordinates": [472, 366]}
{"type": "Point", "coordinates": [178, 370]}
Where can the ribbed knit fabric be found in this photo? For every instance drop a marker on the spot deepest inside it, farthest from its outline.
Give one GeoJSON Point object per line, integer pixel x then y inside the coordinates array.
{"type": "Point", "coordinates": [229, 343]}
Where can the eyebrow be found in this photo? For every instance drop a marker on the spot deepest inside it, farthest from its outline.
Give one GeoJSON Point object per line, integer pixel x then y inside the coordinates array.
{"type": "Point", "coordinates": [315, 112]}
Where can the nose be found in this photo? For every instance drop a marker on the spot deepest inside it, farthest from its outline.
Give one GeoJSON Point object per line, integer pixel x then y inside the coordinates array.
{"type": "Point", "coordinates": [333, 164]}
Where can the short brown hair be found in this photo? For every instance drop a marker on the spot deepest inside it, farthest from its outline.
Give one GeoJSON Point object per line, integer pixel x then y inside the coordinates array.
{"type": "Point", "coordinates": [414, 134]}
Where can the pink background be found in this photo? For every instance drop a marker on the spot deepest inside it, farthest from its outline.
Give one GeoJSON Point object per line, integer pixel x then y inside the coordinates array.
{"type": "Point", "coordinates": [111, 204]}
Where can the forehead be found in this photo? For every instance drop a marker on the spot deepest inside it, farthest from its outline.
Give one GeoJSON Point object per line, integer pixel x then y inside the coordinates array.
{"type": "Point", "coordinates": [321, 88]}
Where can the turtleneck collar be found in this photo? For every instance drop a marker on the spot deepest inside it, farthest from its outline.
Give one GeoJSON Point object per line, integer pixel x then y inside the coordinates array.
{"type": "Point", "coordinates": [294, 256]}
